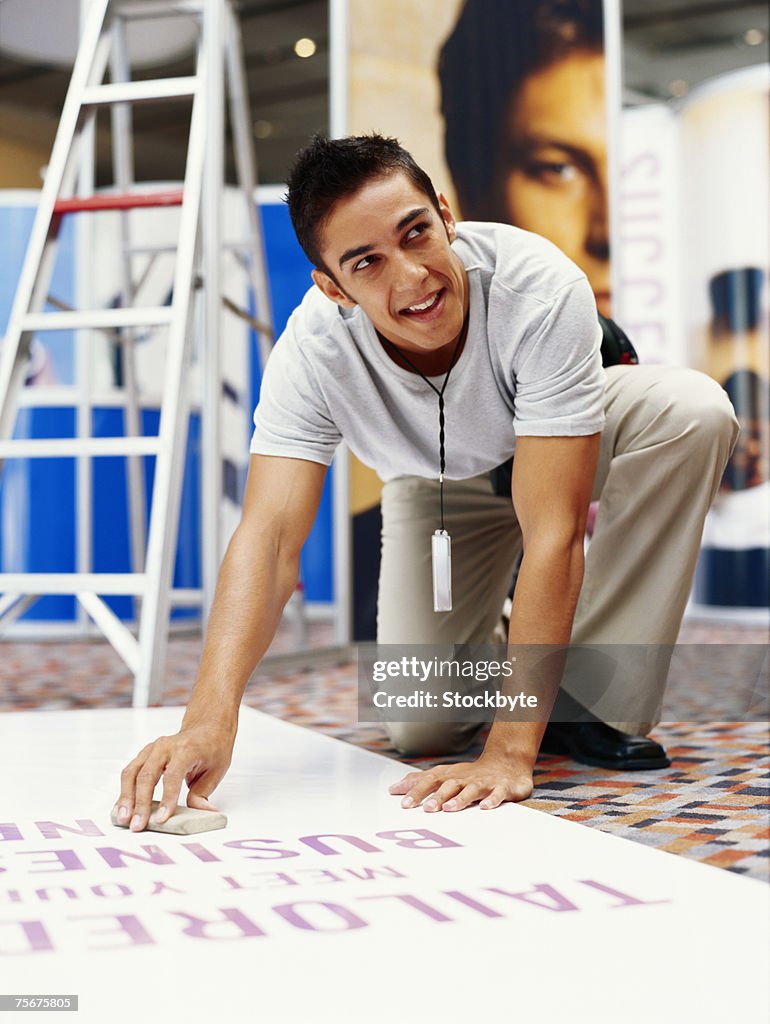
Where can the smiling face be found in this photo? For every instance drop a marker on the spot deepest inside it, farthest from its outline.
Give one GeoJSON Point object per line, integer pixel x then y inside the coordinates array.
{"type": "Point", "coordinates": [390, 253]}
{"type": "Point", "coordinates": [554, 176]}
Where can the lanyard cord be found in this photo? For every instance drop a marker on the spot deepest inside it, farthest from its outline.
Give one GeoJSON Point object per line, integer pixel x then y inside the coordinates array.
{"type": "Point", "coordinates": [440, 393]}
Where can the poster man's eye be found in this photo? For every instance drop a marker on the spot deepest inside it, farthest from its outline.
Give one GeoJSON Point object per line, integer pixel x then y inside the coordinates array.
{"type": "Point", "coordinates": [557, 172]}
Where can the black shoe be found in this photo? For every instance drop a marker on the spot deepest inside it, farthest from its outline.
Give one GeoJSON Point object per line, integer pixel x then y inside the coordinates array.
{"type": "Point", "coordinates": [598, 744]}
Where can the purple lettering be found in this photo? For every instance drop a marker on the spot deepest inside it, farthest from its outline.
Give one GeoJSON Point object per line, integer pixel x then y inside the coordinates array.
{"type": "Point", "coordinates": [44, 894]}
{"type": "Point", "coordinates": [624, 899]}
{"type": "Point", "coordinates": [280, 880]}
{"type": "Point", "coordinates": [646, 240]}
{"type": "Point", "coordinates": [543, 896]}
{"type": "Point", "coordinates": [348, 919]}
{"type": "Point", "coordinates": [128, 927]}
{"type": "Point", "coordinates": [469, 901]}
{"type": "Point", "coordinates": [115, 857]}
{"type": "Point", "coordinates": [111, 889]}
{"type": "Point", "coordinates": [632, 197]}
{"type": "Point", "coordinates": [314, 842]}
{"type": "Point", "coordinates": [412, 901]}
{"type": "Point", "coordinates": [37, 938]}
{"type": "Point", "coordinates": [67, 860]}
{"type": "Point", "coordinates": [426, 840]}
{"type": "Point", "coordinates": [367, 874]}
{"type": "Point", "coordinates": [159, 887]}
{"type": "Point", "coordinates": [53, 830]}
{"type": "Point", "coordinates": [649, 158]}
{"type": "Point", "coordinates": [9, 832]}
{"type": "Point", "coordinates": [650, 285]}
{"type": "Point", "coordinates": [11, 896]}
{"type": "Point", "coordinates": [233, 925]}
{"type": "Point", "coordinates": [201, 852]}
{"type": "Point", "coordinates": [318, 876]}
{"type": "Point", "coordinates": [641, 215]}
{"type": "Point", "coordinates": [259, 852]}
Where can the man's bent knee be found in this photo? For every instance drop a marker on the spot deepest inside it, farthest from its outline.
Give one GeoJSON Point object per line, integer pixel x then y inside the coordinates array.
{"type": "Point", "coordinates": [704, 403]}
{"type": "Point", "coordinates": [426, 739]}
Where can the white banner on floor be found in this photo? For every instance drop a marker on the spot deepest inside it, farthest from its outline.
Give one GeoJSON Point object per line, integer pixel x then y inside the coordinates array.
{"type": "Point", "coordinates": [324, 900]}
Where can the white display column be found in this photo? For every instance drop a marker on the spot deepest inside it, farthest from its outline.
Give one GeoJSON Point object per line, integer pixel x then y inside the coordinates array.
{"type": "Point", "coordinates": [726, 252]}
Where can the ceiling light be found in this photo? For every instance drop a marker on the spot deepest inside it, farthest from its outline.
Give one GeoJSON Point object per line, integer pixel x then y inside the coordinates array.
{"type": "Point", "coordinates": [305, 47]}
{"type": "Point", "coordinates": [678, 87]}
{"type": "Point", "coordinates": [262, 129]}
{"type": "Point", "coordinates": [753, 36]}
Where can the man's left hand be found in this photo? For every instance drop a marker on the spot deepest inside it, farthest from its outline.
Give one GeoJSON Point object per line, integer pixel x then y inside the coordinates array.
{"type": "Point", "coordinates": [490, 781]}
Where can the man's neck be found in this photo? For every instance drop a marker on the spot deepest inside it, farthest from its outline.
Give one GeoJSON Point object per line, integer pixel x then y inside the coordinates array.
{"type": "Point", "coordinates": [433, 363]}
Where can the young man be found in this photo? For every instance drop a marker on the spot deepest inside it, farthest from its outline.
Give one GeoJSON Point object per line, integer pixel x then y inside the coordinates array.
{"type": "Point", "coordinates": [404, 302]}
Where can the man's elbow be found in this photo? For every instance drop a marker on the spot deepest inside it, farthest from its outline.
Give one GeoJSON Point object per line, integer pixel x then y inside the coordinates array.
{"type": "Point", "coordinates": [269, 545]}
{"type": "Point", "coordinates": [558, 553]}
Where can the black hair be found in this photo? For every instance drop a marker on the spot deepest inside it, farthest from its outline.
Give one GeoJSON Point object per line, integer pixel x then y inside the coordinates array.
{"type": "Point", "coordinates": [328, 170]}
{"type": "Point", "coordinates": [494, 46]}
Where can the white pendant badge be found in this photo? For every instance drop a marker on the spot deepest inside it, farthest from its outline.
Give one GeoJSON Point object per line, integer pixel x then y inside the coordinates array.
{"type": "Point", "coordinates": [441, 549]}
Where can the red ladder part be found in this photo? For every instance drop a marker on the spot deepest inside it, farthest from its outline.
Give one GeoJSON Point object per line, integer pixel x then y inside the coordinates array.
{"type": "Point", "coordinates": [113, 201]}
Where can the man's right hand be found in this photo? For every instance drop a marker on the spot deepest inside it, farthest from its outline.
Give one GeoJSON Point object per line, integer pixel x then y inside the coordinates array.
{"type": "Point", "coordinates": [198, 754]}
{"type": "Point", "coordinates": [257, 578]}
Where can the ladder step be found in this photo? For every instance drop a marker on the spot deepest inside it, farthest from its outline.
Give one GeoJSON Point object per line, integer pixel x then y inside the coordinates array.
{"type": "Point", "coordinates": [145, 9]}
{"type": "Point", "coordinates": [186, 598]}
{"type": "Point", "coordinates": [72, 582]}
{"type": "Point", "coordinates": [70, 447]}
{"type": "Point", "coordinates": [99, 319]}
{"type": "Point", "coordinates": [119, 201]}
{"type": "Point", "coordinates": [140, 92]}
{"type": "Point", "coordinates": [149, 250]}
{"type": "Point", "coordinates": [57, 396]}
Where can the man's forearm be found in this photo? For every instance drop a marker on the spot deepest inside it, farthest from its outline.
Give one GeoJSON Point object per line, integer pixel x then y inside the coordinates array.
{"type": "Point", "coordinates": [543, 610]}
{"type": "Point", "coordinates": [255, 582]}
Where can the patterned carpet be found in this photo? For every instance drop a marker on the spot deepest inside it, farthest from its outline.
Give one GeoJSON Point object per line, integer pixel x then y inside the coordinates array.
{"type": "Point", "coordinates": [713, 804]}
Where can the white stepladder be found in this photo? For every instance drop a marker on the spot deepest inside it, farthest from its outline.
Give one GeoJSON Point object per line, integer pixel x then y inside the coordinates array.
{"type": "Point", "coordinates": [68, 189]}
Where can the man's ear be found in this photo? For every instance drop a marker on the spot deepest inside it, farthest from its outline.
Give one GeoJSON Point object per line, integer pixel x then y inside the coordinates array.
{"type": "Point", "coordinates": [447, 216]}
{"type": "Point", "coordinates": [331, 289]}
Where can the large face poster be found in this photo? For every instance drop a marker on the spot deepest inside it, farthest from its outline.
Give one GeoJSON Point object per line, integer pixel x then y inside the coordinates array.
{"type": "Point", "coordinates": [503, 103]}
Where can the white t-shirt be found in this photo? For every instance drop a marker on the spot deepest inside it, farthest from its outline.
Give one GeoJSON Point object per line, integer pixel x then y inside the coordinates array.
{"type": "Point", "coordinates": [531, 365]}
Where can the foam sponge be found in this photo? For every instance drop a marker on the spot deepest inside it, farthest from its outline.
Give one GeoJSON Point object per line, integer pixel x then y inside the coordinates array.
{"type": "Point", "coordinates": [185, 821]}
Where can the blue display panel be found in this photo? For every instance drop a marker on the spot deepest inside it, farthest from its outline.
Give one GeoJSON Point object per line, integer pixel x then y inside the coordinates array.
{"type": "Point", "coordinates": [289, 280]}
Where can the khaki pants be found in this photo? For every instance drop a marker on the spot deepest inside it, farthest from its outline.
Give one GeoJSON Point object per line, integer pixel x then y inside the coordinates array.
{"type": "Point", "coordinates": [668, 435]}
